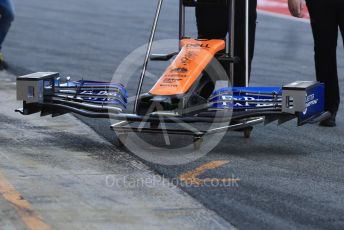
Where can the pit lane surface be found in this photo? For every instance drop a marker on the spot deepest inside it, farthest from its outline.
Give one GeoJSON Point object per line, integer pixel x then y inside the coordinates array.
{"type": "Point", "coordinates": [289, 177]}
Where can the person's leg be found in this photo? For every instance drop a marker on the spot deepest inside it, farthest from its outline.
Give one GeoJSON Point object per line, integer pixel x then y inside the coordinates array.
{"type": "Point", "coordinates": [325, 31]}
{"type": "Point", "coordinates": [240, 68]}
{"type": "Point", "coordinates": [341, 18]}
{"type": "Point", "coordinates": [211, 21]}
{"type": "Point", "coordinates": [342, 29]}
{"type": "Point", "coordinates": [6, 18]}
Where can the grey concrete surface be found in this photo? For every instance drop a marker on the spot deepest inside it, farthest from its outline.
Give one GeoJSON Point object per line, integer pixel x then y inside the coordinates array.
{"type": "Point", "coordinates": [75, 179]}
{"type": "Point", "coordinates": [291, 178]}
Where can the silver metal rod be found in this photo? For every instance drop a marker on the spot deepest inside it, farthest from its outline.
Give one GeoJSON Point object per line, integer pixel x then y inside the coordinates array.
{"type": "Point", "coordinates": [149, 49]}
{"type": "Point", "coordinates": [228, 5]}
{"type": "Point", "coordinates": [181, 21]}
{"type": "Point", "coordinates": [247, 37]}
{"type": "Point", "coordinates": [232, 38]}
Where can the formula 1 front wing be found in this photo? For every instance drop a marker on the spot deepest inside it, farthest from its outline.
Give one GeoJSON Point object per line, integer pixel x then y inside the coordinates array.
{"type": "Point", "coordinates": [46, 93]}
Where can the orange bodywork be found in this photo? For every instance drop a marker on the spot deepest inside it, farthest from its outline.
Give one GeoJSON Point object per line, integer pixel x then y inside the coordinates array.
{"type": "Point", "coordinates": [193, 58]}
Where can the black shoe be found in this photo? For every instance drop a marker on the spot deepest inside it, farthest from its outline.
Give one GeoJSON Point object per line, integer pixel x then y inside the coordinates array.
{"type": "Point", "coordinates": [329, 122]}
{"type": "Point", "coordinates": [3, 64]}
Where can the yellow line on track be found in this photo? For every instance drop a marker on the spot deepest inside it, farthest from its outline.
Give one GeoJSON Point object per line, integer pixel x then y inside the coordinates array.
{"type": "Point", "coordinates": [32, 220]}
{"type": "Point", "coordinates": [191, 177]}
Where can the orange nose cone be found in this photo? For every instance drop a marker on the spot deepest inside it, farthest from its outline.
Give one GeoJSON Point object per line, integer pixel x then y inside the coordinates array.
{"type": "Point", "coordinates": [184, 71]}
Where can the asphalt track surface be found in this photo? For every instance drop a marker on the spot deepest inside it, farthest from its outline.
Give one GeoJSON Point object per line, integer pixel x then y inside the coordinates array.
{"type": "Point", "coordinates": [290, 178]}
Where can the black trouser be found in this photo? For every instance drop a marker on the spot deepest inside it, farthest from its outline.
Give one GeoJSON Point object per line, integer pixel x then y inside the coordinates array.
{"type": "Point", "coordinates": [6, 18]}
{"type": "Point", "coordinates": [212, 23]}
{"type": "Point", "coordinates": [326, 17]}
